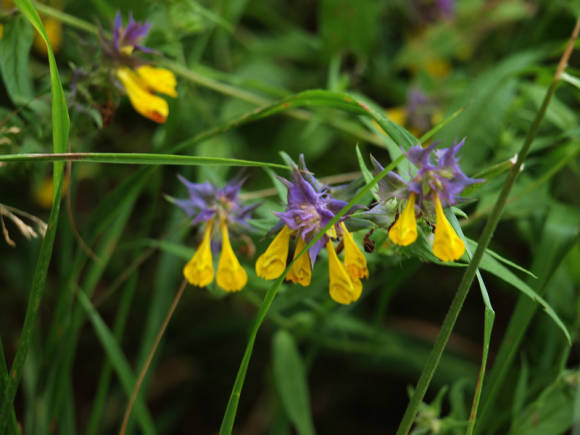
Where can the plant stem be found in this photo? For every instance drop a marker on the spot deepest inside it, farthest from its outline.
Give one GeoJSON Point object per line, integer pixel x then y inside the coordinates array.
{"type": "Point", "coordinates": [150, 357]}
{"type": "Point", "coordinates": [469, 275]}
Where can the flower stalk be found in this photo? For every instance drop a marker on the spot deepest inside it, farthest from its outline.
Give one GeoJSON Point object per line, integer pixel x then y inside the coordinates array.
{"type": "Point", "coordinates": [483, 242]}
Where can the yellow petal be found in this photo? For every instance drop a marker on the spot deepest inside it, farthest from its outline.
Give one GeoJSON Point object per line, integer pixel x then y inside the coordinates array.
{"type": "Point", "coordinates": [354, 260]}
{"type": "Point", "coordinates": [271, 264]}
{"type": "Point", "coordinates": [447, 246]}
{"type": "Point", "coordinates": [301, 270]}
{"type": "Point", "coordinates": [231, 276]}
{"type": "Point", "coordinates": [146, 103]}
{"type": "Point", "coordinates": [404, 230]}
{"type": "Point", "coordinates": [158, 79]}
{"type": "Point", "coordinates": [199, 270]}
{"type": "Point", "coordinates": [342, 289]}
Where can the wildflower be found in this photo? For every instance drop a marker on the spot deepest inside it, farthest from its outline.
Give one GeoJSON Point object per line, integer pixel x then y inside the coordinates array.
{"type": "Point", "coordinates": [310, 207]}
{"type": "Point", "coordinates": [433, 187]}
{"type": "Point", "coordinates": [220, 210]}
{"type": "Point", "coordinates": [140, 80]}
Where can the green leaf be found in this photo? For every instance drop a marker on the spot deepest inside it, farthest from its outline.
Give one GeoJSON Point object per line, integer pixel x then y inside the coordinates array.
{"type": "Point", "coordinates": [118, 361]}
{"type": "Point", "coordinates": [290, 378]}
{"type": "Point", "coordinates": [60, 130]}
{"type": "Point", "coordinates": [488, 320]}
{"type": "Point", "coordinates": [14, 50]}
{"type": "Point", "coordinates": [552, 413]}
{"type": "Point", "coordinates": [491, 265]}
{"type": "Point", "coordinates": [367, 174]}
{"type": "Point", "coordinates": [232, 406]}
{"type": "Point", "coordinates": [137, 159]}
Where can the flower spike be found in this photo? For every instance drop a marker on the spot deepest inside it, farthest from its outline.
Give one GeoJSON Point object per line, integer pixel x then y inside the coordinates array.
{"type": "Point", "coordinates": [437, 183]}
{"type": "Point", "coordinates": [207, 203]}
{"type": "Point", "coordinates": [309, 209]}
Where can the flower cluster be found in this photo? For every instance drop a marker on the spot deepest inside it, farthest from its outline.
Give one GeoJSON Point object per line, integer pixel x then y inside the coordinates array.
{"type": "Point", "coordinates": [434, 186]}
{"type": "Point", "coordinates": [218, 209]}
{"type": "Point", "coordinates": [140, 80]}
{"type": "Point", "coordinates": [310, 207]}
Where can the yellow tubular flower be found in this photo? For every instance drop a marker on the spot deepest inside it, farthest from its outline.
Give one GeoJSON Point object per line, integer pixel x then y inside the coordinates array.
{"type": "Point", "coordinates": [301, 271]}
{"type": "Point", "coordinates": [354, 260]}
{"type": "Point", "coordinates": [447, 245]}
{"type": "Point", "coordinates": [158, 79]}
{"type": "Point", "coordinates": [342, 289]}
{"type": "Point", "coordinates": [404, 230]}
{"type": "Point", "coordinates": [146, 103]}
{"type": "Point", "coordinates": [271, 264]}
{"type": "Point", "coordinates": [199, 270]}
{"type": "Point", "coordinates": [231, 276]}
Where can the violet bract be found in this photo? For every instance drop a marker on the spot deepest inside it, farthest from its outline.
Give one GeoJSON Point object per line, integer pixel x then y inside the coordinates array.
{"type": "Point", "coordinates": [310, 206]}
{"type": "Point", "coordinates": [218, 209]}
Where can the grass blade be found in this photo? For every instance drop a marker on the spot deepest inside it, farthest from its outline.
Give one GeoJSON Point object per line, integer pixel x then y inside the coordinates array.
{"type": "Point", "coordinates": [60, 131]}
{"type": "Point", "coordinates": [118, 361]}
{"type": "Point", "coordinates": [232, 406]}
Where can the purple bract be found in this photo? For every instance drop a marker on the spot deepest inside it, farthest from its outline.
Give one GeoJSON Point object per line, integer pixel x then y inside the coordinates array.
{"type": "Point", "coordinates": [207, 201]}
{"type": "Point", "coordinates": [310, 207]}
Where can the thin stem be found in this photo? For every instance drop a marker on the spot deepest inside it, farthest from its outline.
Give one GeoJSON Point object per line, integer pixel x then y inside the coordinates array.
{"type": "Point", "coordinates": [216, 85]}
{"type": "Point", "coordinates": [469, 275]}
{"type": "Point", "coordinates": [150, 357]}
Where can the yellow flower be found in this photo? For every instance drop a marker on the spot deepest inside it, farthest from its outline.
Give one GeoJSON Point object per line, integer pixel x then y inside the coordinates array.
{"type": "Point", "coordinates": [158, 79]}
{"type": "Point", "coordinates": [140, 85]}
{"type": "Point", "coordinates": [354, 260]}
{"type": "Point", "coordinates": [447, 245]}
{"type": "Point", "coordinates": [301, 270]}
{"type": "Point", "coordinates": [231, 276]}
{"type": "Point", "coordinates": [342, 289]}
{"type": "Point", "coordinates": [404, 230]}
{"type": "Point", "coordinates": [199, 270]}
{"type": "Point", "coordinates": [272, 263]}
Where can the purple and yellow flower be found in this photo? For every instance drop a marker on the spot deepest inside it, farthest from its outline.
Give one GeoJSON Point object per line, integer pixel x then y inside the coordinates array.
{"type": "Point", "coordinates": [310, 206]}
{"type": "Point", "coordinates": [435, 185]}
{"type": "Point", "coordinates": [141, 81]}
{"type": "Point", "coordinates": [219, 210]}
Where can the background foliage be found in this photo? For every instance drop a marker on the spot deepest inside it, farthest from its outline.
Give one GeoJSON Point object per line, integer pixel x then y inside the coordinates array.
{"type": "Point", "coordinates": [94, 310]}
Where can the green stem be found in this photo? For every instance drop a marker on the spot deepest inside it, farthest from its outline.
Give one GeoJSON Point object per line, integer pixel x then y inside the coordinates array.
{"type": "Point", "coordinates": [469, 275]}
{"type": "Point", "coordinates": [232, 406]}
{"type": "Point", "coordinates": [216, 85]}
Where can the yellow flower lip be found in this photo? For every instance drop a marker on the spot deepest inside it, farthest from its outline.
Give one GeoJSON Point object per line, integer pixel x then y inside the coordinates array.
{"type": "Point", "coordinates": [342, 288]}
{"type": "Point", "coordinates": [231, 276]}
{"type": "Point", "coordinates": [354, 260]}
{"type": "Point", "coordinates": [141, 84]}
{"type": "Point", "coordinates": [301, 270]}
{"type": "Point", "coordinates": [272, 263]}
{"type": "Point", "coordinates": [404, 230]}
{"type": "Point", "coordinates": [447, 246]}
{"type": "Point", "coordinates": [199, 270]}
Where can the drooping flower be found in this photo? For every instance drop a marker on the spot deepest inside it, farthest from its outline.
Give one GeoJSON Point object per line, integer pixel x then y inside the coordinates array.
{"type": "Point", "coordinates": [141, 81]}
{"type": "Point", "coordinates": [221, 211]}
{"type": "Point", "coordinates": [434, 186]}
{"type": "Point", "coordinates": [310, 206]}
